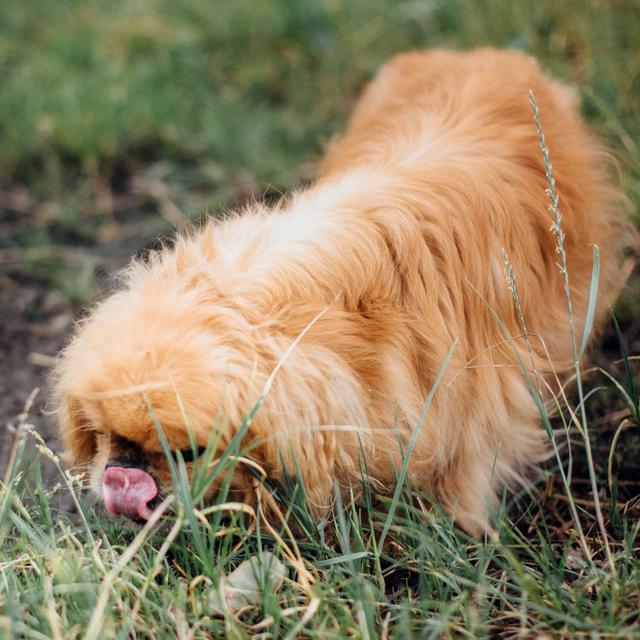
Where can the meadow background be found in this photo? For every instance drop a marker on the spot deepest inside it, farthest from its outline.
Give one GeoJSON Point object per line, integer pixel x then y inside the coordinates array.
{"type": "Point", "coordinates": [121, 121]}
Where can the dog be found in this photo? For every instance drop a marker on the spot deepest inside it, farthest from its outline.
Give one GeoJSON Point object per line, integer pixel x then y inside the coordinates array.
{"type": "Point", "coordinates": [343, 305]}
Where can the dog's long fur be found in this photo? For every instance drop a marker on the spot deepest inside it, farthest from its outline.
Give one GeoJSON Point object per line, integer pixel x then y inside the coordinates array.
{"type": "Point", "coordinates": [394, 253]}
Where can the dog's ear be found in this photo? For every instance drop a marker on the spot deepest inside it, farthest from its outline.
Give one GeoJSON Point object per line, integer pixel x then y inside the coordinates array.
{"type": "Point", "coordinates": [76, 432]}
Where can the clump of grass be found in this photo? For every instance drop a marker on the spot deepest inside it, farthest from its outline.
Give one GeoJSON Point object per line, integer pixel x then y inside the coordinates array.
{"type": "Point", "coordinates": [72, 577]}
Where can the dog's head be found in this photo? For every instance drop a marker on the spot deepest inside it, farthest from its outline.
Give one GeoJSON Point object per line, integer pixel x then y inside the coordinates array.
{"type": "Point", "coordinates": [165, 355]}
{"type": "Point", "coordinates": [115, 437]}
{"type": "Point", "coordinates": [143, 365]}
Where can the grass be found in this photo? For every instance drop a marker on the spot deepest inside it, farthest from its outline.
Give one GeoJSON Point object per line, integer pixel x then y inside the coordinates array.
{"type": "Point", "coordinates": [81, 575]}
{"type": "Point", "coordinates": [380, 567]}
{"type": "Point", "coordinates": [114, 112]}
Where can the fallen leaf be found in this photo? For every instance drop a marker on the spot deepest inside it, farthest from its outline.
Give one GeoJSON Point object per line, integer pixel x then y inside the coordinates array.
{"type": "Point", "coordinates": [242, 586]}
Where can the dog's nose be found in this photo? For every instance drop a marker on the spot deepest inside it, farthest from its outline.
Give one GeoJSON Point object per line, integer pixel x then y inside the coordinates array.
{"type": "Point", "coordinates": [128, 491]}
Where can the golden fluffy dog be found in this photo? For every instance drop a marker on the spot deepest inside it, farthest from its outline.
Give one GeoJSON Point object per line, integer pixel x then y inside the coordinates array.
{"type": "Point", "coordinates": [393, 254]}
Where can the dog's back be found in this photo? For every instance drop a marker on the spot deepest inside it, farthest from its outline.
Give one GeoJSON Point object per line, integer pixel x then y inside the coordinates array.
{"type": "Point", "coordinates": [460, 127]}
{"type": "Point", "coordinates": [457, 129]}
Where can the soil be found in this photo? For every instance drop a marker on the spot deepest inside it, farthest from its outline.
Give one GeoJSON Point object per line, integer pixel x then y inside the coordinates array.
{"type": "Point", "coordinates": [36, 322]}
{"type": "Point", "coordinates": [27, 346]}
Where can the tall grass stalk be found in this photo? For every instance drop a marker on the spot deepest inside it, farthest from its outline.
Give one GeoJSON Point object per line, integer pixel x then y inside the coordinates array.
{"type": "Point", "coordinates": [564, 270]}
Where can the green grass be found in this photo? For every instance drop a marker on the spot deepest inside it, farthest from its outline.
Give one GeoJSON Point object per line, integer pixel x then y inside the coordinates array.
{"type": "Point", "coordinates": [79, 575]}
{"type": "Point", "coordinates": [120, 119]}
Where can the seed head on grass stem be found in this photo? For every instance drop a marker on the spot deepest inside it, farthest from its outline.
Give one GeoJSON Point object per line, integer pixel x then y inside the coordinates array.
{"type": "Point", "coordinates": [558, 232]}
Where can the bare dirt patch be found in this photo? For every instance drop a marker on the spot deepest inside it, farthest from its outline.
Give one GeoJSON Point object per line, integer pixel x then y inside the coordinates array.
{"type": "Point", "coordinates": [28, 344]}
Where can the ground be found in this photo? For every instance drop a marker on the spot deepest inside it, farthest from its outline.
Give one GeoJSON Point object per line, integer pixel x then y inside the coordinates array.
{"type": "Point", "coordinates": [20, 375]}
{"type": "Point", "coordinates": [121, 121]}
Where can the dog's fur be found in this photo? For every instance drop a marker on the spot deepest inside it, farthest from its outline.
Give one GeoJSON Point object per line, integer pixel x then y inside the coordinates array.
{"type": "Point", "coordinates": [394, 253]}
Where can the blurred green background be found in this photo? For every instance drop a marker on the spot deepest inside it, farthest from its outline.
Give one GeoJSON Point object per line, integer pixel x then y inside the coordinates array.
{"type": "Point", "coordinates": [122, 119]}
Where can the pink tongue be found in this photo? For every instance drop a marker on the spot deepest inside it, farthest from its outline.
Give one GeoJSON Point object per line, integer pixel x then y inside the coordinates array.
{"type": "Point", "coordinates": [128, 491]}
